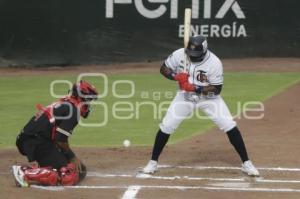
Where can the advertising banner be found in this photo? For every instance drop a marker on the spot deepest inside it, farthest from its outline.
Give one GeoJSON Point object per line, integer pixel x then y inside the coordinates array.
{"type": "Point", "coordinates": [68, 32]}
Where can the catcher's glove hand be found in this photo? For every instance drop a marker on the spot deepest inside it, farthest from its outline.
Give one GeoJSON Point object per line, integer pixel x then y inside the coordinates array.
{"type": "Point", "coordinates": [82, 172]}
{"type": "Point", "coordinates": [80, 168]}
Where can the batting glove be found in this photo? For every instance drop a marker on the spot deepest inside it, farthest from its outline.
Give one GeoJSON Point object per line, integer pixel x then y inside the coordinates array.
{"type": "Point", "coordinates": [181, 77]}
{"type": "Point", "coordinates": [188, 87]}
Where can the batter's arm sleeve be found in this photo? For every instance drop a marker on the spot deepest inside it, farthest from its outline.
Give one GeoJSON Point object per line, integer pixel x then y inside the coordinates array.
{"type": "Point", "coordinates": [174, 60]}
{"type": "Point", "coordinates": [167, 72]}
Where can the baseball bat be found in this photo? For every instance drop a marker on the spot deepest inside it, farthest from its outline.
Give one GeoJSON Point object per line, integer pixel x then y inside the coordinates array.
{"type": "Point", "coordinates": [187, 27]}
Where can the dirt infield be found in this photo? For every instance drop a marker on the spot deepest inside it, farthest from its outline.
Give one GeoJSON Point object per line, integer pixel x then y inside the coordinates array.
{"type": "Point", "coordinates": [203, 166]}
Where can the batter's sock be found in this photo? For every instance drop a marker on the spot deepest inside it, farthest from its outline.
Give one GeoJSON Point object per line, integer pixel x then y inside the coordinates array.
{"type": "Point", "coordinates": [237, 141]}
{"type": "Point", "coordinates": [160, 142]}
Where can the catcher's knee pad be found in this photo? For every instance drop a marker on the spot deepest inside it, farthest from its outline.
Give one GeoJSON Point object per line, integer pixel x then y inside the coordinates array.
{"type": "Point", "coordinates": [68, 175]}
{"type": "Point", "coordinates": [44, 175]}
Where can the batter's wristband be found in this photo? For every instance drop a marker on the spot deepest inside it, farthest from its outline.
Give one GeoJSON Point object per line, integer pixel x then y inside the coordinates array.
{"type": "Point", "coordinates": [199, 89]}
{"type": "Point", "coordinates": [69, 154]}
{"type": "Point", "coordinates": [170, 75]}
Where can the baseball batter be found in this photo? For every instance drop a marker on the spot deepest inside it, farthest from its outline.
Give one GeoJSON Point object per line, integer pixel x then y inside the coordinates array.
{"type": "Point", "coordinates": [200, 88]}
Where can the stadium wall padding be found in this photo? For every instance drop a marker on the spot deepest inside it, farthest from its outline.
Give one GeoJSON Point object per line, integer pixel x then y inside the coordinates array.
{"type": "Point", "coordinates": [80, 32]}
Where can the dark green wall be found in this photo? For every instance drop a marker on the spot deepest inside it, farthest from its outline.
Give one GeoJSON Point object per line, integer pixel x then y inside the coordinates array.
{"type": "Point", "coordinates": [66, 32]}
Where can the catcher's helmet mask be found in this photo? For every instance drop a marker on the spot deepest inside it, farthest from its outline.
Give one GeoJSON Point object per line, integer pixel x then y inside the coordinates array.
{"type": "Point", "coordinates": [87, 93]}
{"type": "Point", "coordinates": [196, 48]}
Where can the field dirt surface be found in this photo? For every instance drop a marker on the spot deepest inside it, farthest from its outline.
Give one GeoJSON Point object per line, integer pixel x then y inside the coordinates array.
{"type": "Point", "coordinates": [204, 166]}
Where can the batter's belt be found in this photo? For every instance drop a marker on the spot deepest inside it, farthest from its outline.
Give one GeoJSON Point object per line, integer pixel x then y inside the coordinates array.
{"type": "Point", "coordinates": [195, 97]}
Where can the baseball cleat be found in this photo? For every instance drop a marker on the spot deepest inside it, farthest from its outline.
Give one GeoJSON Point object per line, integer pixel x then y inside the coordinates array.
{"type": "Point", "coordinates": [19, 176]}
{"type": "Point", "coordinates": [249, 169]}
{"type": "Point", "coordinates": [151, 167]}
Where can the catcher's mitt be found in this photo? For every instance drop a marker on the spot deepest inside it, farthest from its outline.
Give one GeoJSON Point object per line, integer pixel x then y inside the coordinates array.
{"type": "Point", "coordinates": [83, 172]}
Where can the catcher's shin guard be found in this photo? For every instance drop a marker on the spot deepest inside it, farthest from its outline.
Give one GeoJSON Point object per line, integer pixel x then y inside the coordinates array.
{"type": "Point", "coordinates": [45, 176]}
{"type": "Point", "coordinates": [69, 176]}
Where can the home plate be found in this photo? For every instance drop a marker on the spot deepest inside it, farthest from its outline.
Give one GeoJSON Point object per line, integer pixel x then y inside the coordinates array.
{"type": "Point", "coordinates": [232, 184]}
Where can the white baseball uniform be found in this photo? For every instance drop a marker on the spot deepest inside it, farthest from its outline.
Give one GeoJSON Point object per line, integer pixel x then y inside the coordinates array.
{"type": "Point", "coordinates": [207, 72]}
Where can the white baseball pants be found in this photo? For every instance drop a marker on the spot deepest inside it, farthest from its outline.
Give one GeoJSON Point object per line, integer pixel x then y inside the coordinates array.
{"type": "Point", "coordinates": [181, 108]}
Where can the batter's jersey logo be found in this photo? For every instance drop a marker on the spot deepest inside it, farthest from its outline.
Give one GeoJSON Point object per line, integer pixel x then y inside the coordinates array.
{"type": "Point", "coordinates": [201, 76]}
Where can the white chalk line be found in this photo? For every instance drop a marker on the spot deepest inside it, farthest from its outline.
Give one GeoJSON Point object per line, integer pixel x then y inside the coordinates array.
{"type": "Point", "coordinates": [131, 192]}
{"type": "Point", "coordinates": [231, 184]}
{"type": "Point", "coordinates": [61, 188]}
{"type": "Point", "coordinates": [277, 181]}
{"type": "Point", "coordinates": [102, 175]}
{"type": "Point", "coordinates": [147, 176]}
{"type": "Point", "coordinates": [246, 189]}
{"type": "Point", "coordinates": [211, 168]}
{"type": "Point", "coordinates": [235, 184]}
{"type": "Point", "coordinates": [229, 168]}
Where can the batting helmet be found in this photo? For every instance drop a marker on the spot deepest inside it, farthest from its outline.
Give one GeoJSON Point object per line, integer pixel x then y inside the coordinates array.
{"type": "Point", "coordinates": [196, 48]}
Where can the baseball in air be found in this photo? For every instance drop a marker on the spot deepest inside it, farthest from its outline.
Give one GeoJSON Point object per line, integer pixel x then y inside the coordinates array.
{"type": "Point", "coordinates": [126, 143]}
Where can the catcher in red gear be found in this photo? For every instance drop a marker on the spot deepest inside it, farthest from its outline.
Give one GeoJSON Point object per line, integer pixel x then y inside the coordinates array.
{"type": "Point", "coordinates": [44, 140]}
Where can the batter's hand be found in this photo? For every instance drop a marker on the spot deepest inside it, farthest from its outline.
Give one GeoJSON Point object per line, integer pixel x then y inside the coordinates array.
{"type": "Point", "coordinates": [181, 77]}
{"type": "Point", "coordinates": [188, 87]}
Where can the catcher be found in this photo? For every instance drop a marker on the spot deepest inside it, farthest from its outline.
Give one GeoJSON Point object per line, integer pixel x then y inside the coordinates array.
{"type": "Point", "coordinates": [44, 140]}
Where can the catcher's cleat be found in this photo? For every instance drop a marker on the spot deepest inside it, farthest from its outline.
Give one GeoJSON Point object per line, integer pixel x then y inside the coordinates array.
{"type": "Point", "coordinates": [151, 167]}
{"type": "Point", "coordinates": [19, 176]}
{"type": "Point", "coordinates": [249, 169]}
